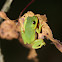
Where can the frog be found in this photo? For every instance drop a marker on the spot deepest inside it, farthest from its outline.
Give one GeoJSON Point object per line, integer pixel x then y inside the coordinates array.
{"type": "Point", "coordinates": [29, 30]}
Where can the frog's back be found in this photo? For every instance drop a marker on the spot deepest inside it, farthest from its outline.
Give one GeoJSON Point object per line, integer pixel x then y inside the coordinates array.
{"type": "Point", "coordinates": [30, 28]}
{"type": "Point", "coordinates": [30, 35]}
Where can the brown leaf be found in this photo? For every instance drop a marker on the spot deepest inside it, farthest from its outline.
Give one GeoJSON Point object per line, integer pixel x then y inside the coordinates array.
{"type": "Point", "coordinates": [3, 15]}
{"type": "Point", "coordinates": [33, 55]}
{"type": "Point", "coordinates": [46, 31]}
{"type": "Point", "coordinates": [8, 30]}
{"type": "Point", "coordinates": [41, 17]}
{"type": "Point", "coordinates": [57, 44]}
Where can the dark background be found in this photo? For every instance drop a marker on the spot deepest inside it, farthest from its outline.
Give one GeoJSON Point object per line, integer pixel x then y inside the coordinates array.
{"type": "Point", "coordinates": [13, 51]}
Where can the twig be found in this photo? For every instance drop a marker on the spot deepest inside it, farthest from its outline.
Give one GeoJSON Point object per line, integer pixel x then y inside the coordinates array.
{"type": "Point", "coordinates": [1, 57]}
{"type": "Point", "coordinates": [26, 7]}
{"type": "Point", "coordinates": [6, 7]}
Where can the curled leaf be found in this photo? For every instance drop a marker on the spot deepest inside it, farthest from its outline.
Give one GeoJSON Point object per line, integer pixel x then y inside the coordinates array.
{"type": "Point", "coordinates": [46, 31]}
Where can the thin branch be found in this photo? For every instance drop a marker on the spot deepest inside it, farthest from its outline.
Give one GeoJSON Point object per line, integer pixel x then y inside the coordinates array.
{"type": "Point", "coordinates": [26, 7]}
{"type": "Point", "coordinates": [1, 57]}
{"type": "Point", "coordinates": [6, 7]}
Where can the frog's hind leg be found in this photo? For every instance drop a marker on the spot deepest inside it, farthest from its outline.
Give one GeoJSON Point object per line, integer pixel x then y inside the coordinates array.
{"type": "Point", "coordinates": [38, 44]}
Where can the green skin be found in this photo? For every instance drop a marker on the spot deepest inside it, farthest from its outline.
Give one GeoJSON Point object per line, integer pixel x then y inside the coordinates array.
{"type": "Point", "coordinates": [28, 35]}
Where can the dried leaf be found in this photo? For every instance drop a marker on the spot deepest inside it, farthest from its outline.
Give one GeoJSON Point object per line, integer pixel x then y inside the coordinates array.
{"type": "Point", "coordinates": [33, 55]}
{"type": "Point", "coordinates": [8, 30]}
{"type": "Point", "coordinates": [41, 17]}
{"type": "Point", "coordinates": [46, 31]}
{"type": "Point", "coordinates": [57, 44]}
{"type": "Point", "coordinates": [3, 15]}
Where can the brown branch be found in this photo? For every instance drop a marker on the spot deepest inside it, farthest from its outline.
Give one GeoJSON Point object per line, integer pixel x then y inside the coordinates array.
{"type": "Point", "coordinates": [1, 56]}
{"type": "Point", "coordinates": [6, 7]}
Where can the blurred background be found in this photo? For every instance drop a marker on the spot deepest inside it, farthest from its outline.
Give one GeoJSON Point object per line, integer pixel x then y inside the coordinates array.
{"type": "Point", "coordinates": [13, 51]}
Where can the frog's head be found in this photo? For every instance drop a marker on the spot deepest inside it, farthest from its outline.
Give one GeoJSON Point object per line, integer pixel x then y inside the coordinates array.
{"type": "Point", "coordinates": [32, 21]}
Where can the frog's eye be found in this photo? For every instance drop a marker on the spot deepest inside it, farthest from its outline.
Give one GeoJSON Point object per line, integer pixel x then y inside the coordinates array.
{"type": "Point", "coordinates": [24, 15]}
{"type": "Point", "coordinates": [34, 22]}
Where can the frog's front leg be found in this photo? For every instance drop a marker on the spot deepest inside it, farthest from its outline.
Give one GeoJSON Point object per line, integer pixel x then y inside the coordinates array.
{"type": "Point", "coordinates": [38, 30]}
{"type": "Point", "coordinates": [38, 44]}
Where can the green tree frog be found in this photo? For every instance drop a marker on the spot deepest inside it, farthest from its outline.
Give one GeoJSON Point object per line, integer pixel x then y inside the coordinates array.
{"type": "Point", "coordinates": [29, 30]}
